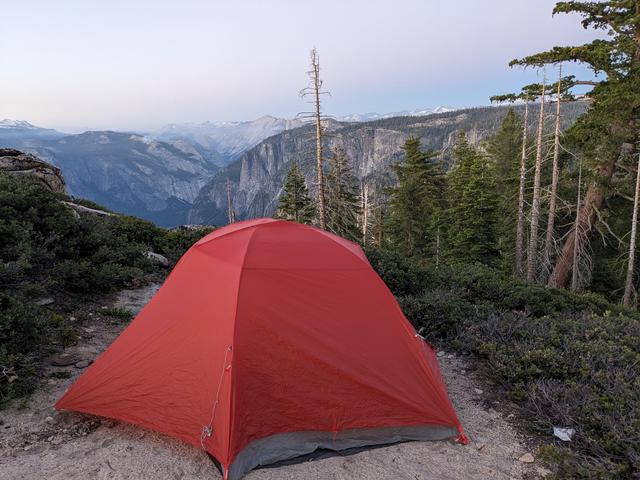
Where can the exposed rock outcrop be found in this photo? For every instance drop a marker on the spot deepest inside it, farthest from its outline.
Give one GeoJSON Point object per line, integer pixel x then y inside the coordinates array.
{"type": "Point", "coordinates": [371, 147]}
{"type": "Point", "coordinates": [24, 164]}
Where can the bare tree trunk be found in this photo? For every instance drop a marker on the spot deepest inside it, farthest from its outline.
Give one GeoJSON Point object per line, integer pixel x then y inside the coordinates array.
{"type": "Point", "coordinates": [523, 175]}
{"type": "Point", "coordinates": [380, 228]}
{"type": "Point", "coordinates": [628, 286]}
{"type": "Point", "coordinates": [230, 213]}
{"type": "Point", "coordinates": [593, 201]}
{"type": "Point", "coordinates": [535, 206]}
{"type": "Point", "coordinates": [317, 84]}
{"type": "Point", "coordinates": [365, 212]}
{"type": "Point", "coordinates": [438, 247]}
{"type": "Point", "coordinates": [548, 241]}
{"type": "Point", "coordinates": [576, 234]}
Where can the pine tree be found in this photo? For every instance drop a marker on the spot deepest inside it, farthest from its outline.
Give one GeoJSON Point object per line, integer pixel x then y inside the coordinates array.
{"type": "Point", "coordinates": [294, 203]}
{"type": "Point", "coordinates": [505, 151]}
{"type": "Point", "coordinates": [474, 207]}
{"type": "Point", "coordinates": [606, 131]}
{"type": "Point", "coordinates": [342, 203]}
{"type": "Point", "coordinates": [416, 203]}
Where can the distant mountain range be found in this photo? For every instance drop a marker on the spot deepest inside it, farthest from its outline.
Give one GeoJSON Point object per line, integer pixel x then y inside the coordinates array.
{"type": "Point", "coordinates": [178, 173]}
{"type": "Point", "coordinates": [154, 175]}
{"type": "Point", "coordinates": [369, 117]}
{"type": "Point", "coordinates": [223, 142]}
{"type": "Point", "coordinates": [256, 177]}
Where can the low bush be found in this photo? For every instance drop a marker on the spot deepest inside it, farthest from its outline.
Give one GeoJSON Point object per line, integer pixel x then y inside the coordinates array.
{"type": "Point", "coordinates": [570, 360]}
{"type": "Point", "coordinates": [26, 332]}
{"type": "Point", "coordinates": [47, 250]}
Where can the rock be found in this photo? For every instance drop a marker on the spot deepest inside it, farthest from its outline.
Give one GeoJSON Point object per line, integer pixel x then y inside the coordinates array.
{"type": "Point", "coordinates": [478, 391]}
{"type": "Point", "coordinates": [49, 420]}
{"type": "Point", "coordinates": [41, 302]}
{"type": "Point", "coordinates": [65, 359]}
{"type": "Point", "coordinates": [82, 364]}
{"type": "Point", "coordinates": [20, 164]}
{"type": "Point", "coordinates": [451, 355]}
{"type": "Point", "coordinates": [543, 472]}
{"type": "Point", "coordinates": [527, 458]}
{"type": "Point", "coordinates": [81, 209]}
{"type": "Point", "coordinates": [157, 258]}
{"type": "Point", "coordinates": [28, 447]}
{"type": "Point", "coordinates": [441, 353]}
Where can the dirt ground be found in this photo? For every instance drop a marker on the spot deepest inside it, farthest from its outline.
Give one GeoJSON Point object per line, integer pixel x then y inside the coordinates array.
{"type": "Point", "coordinates": [36, 442]}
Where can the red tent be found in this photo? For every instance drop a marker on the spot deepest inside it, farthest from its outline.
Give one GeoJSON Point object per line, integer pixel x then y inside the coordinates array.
{"type": "Point", "coordinates": [268, 341]}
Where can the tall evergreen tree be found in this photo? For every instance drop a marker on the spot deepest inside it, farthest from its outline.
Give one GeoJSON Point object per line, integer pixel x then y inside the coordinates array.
{"type": "Point", "coordinates": [417, 202]}
{"type": "Point", "coordinates": [505, 151]}
{"type": "Point", "coordinates": [474, 207]}
{"type": "Point", "coordinates": [609, 129]}
{"type": "Point", "coordinates": [342, 203]}
{"type": "Point", "coordinates": [295, 204]}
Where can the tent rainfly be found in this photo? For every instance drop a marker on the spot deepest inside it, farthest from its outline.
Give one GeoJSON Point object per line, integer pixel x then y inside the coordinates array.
{"type": "Point", "coordinates": [270, 340]}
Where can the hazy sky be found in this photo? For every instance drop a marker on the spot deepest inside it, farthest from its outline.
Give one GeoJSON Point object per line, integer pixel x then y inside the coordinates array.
{"type": "Point", "coordinates": [139, 64]}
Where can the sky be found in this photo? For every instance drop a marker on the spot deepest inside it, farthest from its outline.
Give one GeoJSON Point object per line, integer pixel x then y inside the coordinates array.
{"type": "Point", "coordinates": [76, 65]}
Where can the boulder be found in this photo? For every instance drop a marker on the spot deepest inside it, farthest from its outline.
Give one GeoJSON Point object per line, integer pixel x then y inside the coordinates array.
{"type": "Point", "coordinates": [65, 359]}
{"type": "Point", "coordinates": [157, 258]}
{"type": "Point", "coordinates": [19, 163]}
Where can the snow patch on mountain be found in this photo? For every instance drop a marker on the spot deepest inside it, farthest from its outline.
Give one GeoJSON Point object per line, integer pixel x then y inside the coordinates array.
{"type": "Point", "coordinates": [368, 117]}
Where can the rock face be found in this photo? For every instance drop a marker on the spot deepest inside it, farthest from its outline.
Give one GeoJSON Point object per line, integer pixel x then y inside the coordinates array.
{"type": "Point", "coordinates": [223, 142]}
{"type": "Point", "coordinates": [24, 164]}
{"type": "Point", "coordinates": [154, 176]}
{"type": "Point", "coordinates": [130, 173]}
{"type": "Point", "coordinates": [372, 147]}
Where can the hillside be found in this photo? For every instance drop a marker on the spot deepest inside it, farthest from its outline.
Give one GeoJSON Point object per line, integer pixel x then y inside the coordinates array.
{"type": "Point", "coordinates": [223, 142]}
{"type": "Point", "coordinates": [126, 172]}
{"type": "Point", "coordinates": [155, 176]}
{"type": "Point", "coordinates": [58, 256]}
{"type": "Point", "coordinates": [256, 177]}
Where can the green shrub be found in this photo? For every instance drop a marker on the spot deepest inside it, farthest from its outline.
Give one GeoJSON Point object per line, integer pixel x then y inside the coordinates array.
{"type": "Point", "coordinates": [24, 331]}
{"type": "Point", "coordinates": [48, 250]}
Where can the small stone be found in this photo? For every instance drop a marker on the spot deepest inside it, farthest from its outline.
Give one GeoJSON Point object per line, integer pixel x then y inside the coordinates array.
{"type": "Point", "coordinates": [64, 359]}
{"type": "Point", "coordinates": [41, 302]}
{"type": "Point", "coordinates": [28, 447]}
{"type": "Point", "coordinates": [82, 364]}
{"type": "Point", "coordinates": [56, 441]}
{"type": "Point", "coordinates": [50, 439]}
{"type": "Point", "coordinates": [157, 258]}
{"type": "Point", "coordinates": [451, 355]}
{"type": "Point", "coordinates": [478, 391]}
{"type": "Point", "coordinates": [49, 419]}
{"type": "Point", "coordinates": [72, 319]}
{"type": "Point", "coordinates": [543, 472]}
{"type": "Point", "coordinates": [441, 353]}
{"type": "Point", "coordinates": [526, 458]}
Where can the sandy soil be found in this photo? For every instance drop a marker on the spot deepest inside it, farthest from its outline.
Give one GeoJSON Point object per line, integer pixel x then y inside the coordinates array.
{"type": "Point", "coordinates": [36, 442]}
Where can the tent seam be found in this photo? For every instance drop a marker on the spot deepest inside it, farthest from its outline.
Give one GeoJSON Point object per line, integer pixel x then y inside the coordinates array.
{"type": "Point", "coordinates": [233, 341]}
{"type": "Point", "coordinates": [241, 229]}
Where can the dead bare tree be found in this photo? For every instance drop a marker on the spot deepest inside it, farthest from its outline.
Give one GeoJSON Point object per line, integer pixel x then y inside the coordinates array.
{"type": "Point", "coordinates": [577, 235]}
{"type": "Point", "coordinates": [314, 89]}
{"type": "Point", "coordinates": [231, 214]}
{"type": "Point", "coordinates": [628, 286]}
{"type": "Point", "coordinates": [519, 254]}
{"type": "Point", "coordinates": [548, 241]}
{"type": "Point", "coordinates": [532, 253]}
{"type": "Point", "coordinates": [364, 195]}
